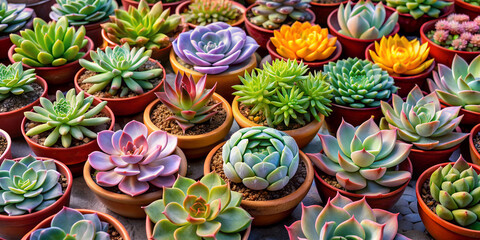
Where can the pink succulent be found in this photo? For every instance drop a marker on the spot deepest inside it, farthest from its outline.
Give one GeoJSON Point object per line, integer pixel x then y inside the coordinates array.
{"type": "Point", "coordinates": [458, 17]}
{"type": "Point", "coordinates": [471, 26]}
{"type": "Point", "coordinates": [475, 40]}
{"type": "Point", "coordinates": [440, 35]}
{"type": "Point", "coordinates": [477, 20]}
{"type": "Point", "coordinates": [456, 27]}
{"type": "Point", "coordinates": [459, 44]}
{"type": "Point", "coordinates": [466, 36]}
{"type": "Point", "coordinates": [442, 25]}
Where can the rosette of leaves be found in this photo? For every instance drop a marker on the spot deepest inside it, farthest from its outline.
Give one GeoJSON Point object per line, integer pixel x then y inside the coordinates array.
{"type": "Point", "coordinates": [420, 121]}
{"type": "Point", "coordinates": [359, 83]}
{"type": "Point", "coordinates": [203, 12]}
{"type": "Point", "coordinates": [206, 209]}
{"type": "Point", "coordinates": [53, 44]}
{"type": "Point", "coordinates": [83, 12]}
{"type": "Point", "coordinates": [28, 185]}
{"type": "Point", "coordinates": [272, 14]}
{"type": "Point", "coordinates": [419, 8]}
{"type": "Point", "coordinates": [457, 32]}
{"type": "Point", "coordinates": [15, 81]}
{"type": "Point", "coordinates": [68, 117]}
{"type": "Point", "coordinates": [13, 17]}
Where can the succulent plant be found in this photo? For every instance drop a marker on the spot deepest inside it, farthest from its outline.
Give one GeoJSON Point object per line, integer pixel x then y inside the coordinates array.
{"type": "Point", "coordinates": [28, 185]}
{"type": "Point", "coordinates": [142, 27]}
{"type": "Point", "coordinates": [70, 224]}
{"type": "Point", "coordinates": [365, 20]}
{"type": "Point", "coordinates": [206, 209]}
{"type": "Point", "coordinates": [213, 48]}
{"type": "Point", "coordinates": [342, 218]}
{"type": "Point", "coordinates": [53, 44]}
{"type": "Point", "coordinates": [118, 69]}
{"type": "Point", "coordinates": [416, 8]}
{"type": "Point", "coordinates": [457, 32]}
{"type": "Point", "coordinates": [203, 12]}
{"type": "Point", "coordinates": [69, 116]}
{"type": "Point", "coordinates": [359, 83]}
{"type": "Point", "coordinates": [188, 100]}
{"type": "Point", "coordinates": [13, 17]}
{"type": "Point", "coordinates": [15, 81]}
{"type": "Point", "coordinates": [83, 12]}
{"type": "Point", "coordinates": [473, 2]}
{"type": "Point", "coordinates": [304, 41]}
{"type": "Point", "coordinates": [132, 159]}
{"type": "Point", "coordinates": [272, 14]}
{"type": "Point", "coordinates": [420, 121]}
{"type": "Point", "coordinates": [398, 56]}
{"type": "Point", "coordinates": [460, 85]}
{"type": "Point", "coordinates": [456, 189]}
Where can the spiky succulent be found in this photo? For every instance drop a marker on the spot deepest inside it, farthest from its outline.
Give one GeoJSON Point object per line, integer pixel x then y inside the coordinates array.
{"type": "Point", "coordinates": [53, 44]}
{"type": "Point", "coordinates": [13, 17]}
{"type": "Point", "coordinates": [359, 83]}
{"type": "Point", "coordinates": [456, 188]}
{"type": "Point", "coordinates": [67, 117]}
{"type": "Point", "coordinates": [117, 68]}
{"type": "Point", "coordinates": [212, 49]}
{"type": "Point", "coordinates": [420, 121]}
{"type": "Point", "coordinates": [206, 209]}
{"type": "Point", "coordinates": [459, 85]}
{"type": "Point", "coordinates": [142, 27]}
{"type": "Point", "coordinates": [15, 81]}
{"type": "Point", "coordinates": [272, 14]}
{"type": "Point", "coordinates": [83, 12]}
{"type": "Point", "coordinates": [28, 185]}
{"type": "Point", "coordinates": [283, 92]}
{"type": "Point", "coordinates": [132, 159]}
{"type": "Point", "coordinates": [203, 12]}
{"type": "Point", "coordinates": [418, 8]}
{"type": "Point", "coordinates": [188, 101]}
{"type": "Point", "coordinates": [70, 224]}
{"type": "Point", "coordinates": [365, 20]}
{"type": "Point", "coordinates": [342, 218]}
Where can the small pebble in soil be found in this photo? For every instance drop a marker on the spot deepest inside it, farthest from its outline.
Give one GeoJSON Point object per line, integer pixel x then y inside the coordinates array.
{"type": "Point", "coordinates": [114, 234]}
{"type": "Point", "coordinates": [476, 142]}
{"type": "Point", "coordinates": [3, 145]}
{"type": "Point", "coordinates": [14, 102]}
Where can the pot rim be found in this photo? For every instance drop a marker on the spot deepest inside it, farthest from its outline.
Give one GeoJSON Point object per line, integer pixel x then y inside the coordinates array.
{"type": "Point", "coordinates": [4, 134]}
{"type": "Point", "coordinates": [132, 2]}
{"type": "Point", "coordinates": [241, 18]}
{"type": "Point", "coordinates": [467, 5]}
{"type": "Point", "coordinates": [327, 4]}
{"type": "Point", "coordinates": [474, 132]}
{"type": "Point", "coordinates": [40, 81]}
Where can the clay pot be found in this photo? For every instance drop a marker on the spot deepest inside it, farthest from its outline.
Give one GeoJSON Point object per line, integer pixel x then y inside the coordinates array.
{"type": "Point", "coordinates": [303, 136]}
{"type": "Point", "coordinates": [41, 7]}
{"type": "Point", "coordinates": [73, 157]}
{"type": "Point", "coordinates": [354, 116]}
{"type": "Point", "coordinates": [322, 10]}
{"type": "Point", "coordinates": [422, 159]}
{"type": "Point", "coordinates": [126, 106]}
{"type": "Point", "coordinates": [224, 80]}
{"type": "Point", "coordinates": [436, 226]}
{"type": "Point", "coordinates": [271, 211]}
{"type": "Point", "coordinates": [382, 201]}
{"type": "Point", "coordinates": [172, 6]}
{"type": "Point", "coordinates": [354, 47]}
{"type": "Point", "coordinates": [125, 205]}
{"type": "Point", "coordinates": [474, 154]}
{"type": "Point", "coordinates": [7, 153]}
{"type": "Point", "coordinates": [14, 227]}
{"type": "Point", "coordinates": [470, 118]}
{"type": "Point", "coordinates": [11, 120]}
{"type": "Point", "coordinates": [466, 8]}
{"type": "Point", "coordinates": [196, 146]}
{"type": "Point", "coordinates": [103, 217]}
{"type": "Point", "coordinates": [260, 34]}
{"type": "Point", "coordinates": [411, 26]}
{"type": "Point", "coordinates": [183, 8]}
{"type": "Point", "coordinates": [442, 55]}
{"type": "Point", "coordinates": [6, 43]}
{"type": "Point", "coordinates": [405, 83]}
{"type": "Point", "coordinates": [312, 66]}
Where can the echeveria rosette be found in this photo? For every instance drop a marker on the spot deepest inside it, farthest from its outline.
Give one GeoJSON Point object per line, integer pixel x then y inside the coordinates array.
{"type": "Point", "coordinates": [206, 209]}
{"type": "Point", "coordinates": [132, 159]}
{"type": "Point", "coordinates": [13, 17]}
{"type": "Point", "coordinates": [421, 121]}
{"type": "Point", "coordinates": [83, 12]}
{"type": "Point", "coordinates": [362, 158]}
{"type": "Point", "coordinates": [342, 218]}
{"type": "Point", "coordinates": [70, 224]}
{"type": "Point", "coordinates": [28, 185]}
{"type": "Point", "coordinates": [15, 81]}
{"type": "Point", "coordinates": [212, 49]}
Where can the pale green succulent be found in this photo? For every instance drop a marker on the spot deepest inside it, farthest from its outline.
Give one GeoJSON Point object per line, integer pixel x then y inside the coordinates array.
{"type": "Point", "coordinates": [272, 14]}
{"type": "Point", "coordinates": [418, 8]}
{"type": "Point", "coordinates": [83, 12]}
{"type": "Point", "coordinates": [15, 81]}
{"type": "Point", "coordinates": [13, 17]}
{"type": "Point", "coordinates": [203, 12]}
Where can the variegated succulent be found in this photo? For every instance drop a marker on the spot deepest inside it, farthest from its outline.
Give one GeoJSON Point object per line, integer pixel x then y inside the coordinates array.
{"type": "Point", "coordinates": [15, 81]}
{"type": "Point", "coordinates": [203, 12]}
{"type": "Point", "coordinates": [13, 17]}
{"type": "Point", "coordinates": [83, 12]}
{"type": "Point", "coordinates": [417, 8]}
{"type": "Point", "coordinates": [272, 14]}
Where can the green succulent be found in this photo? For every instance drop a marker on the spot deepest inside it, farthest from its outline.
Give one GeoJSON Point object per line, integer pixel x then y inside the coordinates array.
{"type": "Point", "coordinates": [83, 12]}
{"type": "Point", "coordinates": [156, 1]}
{"type": "Point", "coordinates": [203, 12]}
{"type": "Point", "coordinates": [69, 116]}
{"type": "Point", "coordinates": [473, 2]}
{"type": "Point", "coordinates": [13, 80]}
{"type": "Point", "coordinates": [418, 8]}
{"type": "Point", "coordinates": [272, 14]}
{"type": "Point", "coordinates": [53, 44]}
{"type": "Point", "coordinates": [13, 17]}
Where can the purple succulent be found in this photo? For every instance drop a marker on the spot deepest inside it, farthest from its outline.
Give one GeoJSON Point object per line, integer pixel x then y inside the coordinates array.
{"type": "Point", "coordinates": [475, 40]}
{"type": "Point", "coordinates": [132, 159]}
{"type": "Point", "coordinates": [470, 26]}
{"type": "Point", "coordinates": [458, 17]}
{"type": "Point", "coordinates": [213, 48]}
{"type": "Point", "coordinates": [442, 25]}
{"type": "Point", "coordinates": [440, 35]}
{"type": "Point", "coordinates": [459, 44]}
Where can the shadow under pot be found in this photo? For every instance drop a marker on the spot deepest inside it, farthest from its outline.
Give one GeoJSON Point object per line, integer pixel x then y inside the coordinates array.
{"type": "Point", "coordinates": [166, 5]}
{"type": "Point", "coordinates": [5, 41]}
{"type": "Point", "coordinates": [466, 8]}
{"type": "Point", "coordinates": [473, 142]}
{"type": "Point", "coordinates": [322, 10]}
{"type": "Point", "coordinates": [411, 26]}
{"type": "Point", "coordinates": [5, 146]}
{"type": "Point", "coordinates": [183, 8]}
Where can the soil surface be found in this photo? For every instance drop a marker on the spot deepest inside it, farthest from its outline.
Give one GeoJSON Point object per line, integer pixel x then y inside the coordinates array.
{"type": "Point", "coordinates": [114, 234]}
{"type": "Point", "coordinates": [260, 119]}
{"type": "Point", "coordinates": [3, 145]}
{"type": "Point", "coordinates": [15, 102]}
{"type": "Point", "coordinates": [427, 197]}
{"type": "Point", "coordinates": [476, 142]}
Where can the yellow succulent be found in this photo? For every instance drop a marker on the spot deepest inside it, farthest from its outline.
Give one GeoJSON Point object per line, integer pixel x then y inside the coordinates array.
{"type": "Point", "coordinates": [398, 56]}
{"type": "Point", "coordinates": [304, 41]}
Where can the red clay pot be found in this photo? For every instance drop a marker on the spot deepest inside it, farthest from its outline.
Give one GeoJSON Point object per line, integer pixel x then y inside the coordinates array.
{"type": "Point", "coordinates": [474, 154]}
{"type": "Point", "coordinates": [322, 10]}
{"type": "Point", "coordinates": [422, 159]}
{"type": "Point", "coordinates": [312, 66]}
{"type": "Point", "coordinates": [7, 153]}
{"type": "Point", "coordinates": [466, 8]}
{"type": "Point", "coordinates": [14, 227]}
{"type": "Point", "coordinates": [354, 116]}
{"type": "Point", "coordinates": [6, 43]}
{"type": "Point", "coordinates": [183, 8]}
{"type": "Point", "coordinates": [172, 6]}
{"type": "Point", "coordinates": [436, 226]}
{"type": "Point", "coordinates": [411, 26]}
{"type": "Point", "coordinates": [11, 120]}
{"type": "Point", "coordinates": [405, 83]}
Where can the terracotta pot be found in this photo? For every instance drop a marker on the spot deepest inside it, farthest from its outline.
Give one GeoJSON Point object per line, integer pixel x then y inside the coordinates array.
{"type": "Point", "coordinates": [406, 83]}
{"type": "Point", "coordinates": [260, 34]}
{"type": "Point", "coordinates": [271, 211]}
{"type": "Point", "coordinates": [127, 106]}
{"type": "Point", "coordinates": [354, 116]}
{"type": "Point", "coordinates": [442, 55]}
{"type": "Point", "coordinates": [103, 217]}
{"type": "Point", "coordinates": [73, 157]}
{"type": "Point", "coordinates": [474, 154]}
{"type": "Point", "coordinates": [172, 6]}
{"type": "Point", "coordinates": [11, 120]}
{"type": "Point", "coordinates": [466, 8]}
{"type": "Point", "coordinates": [7, 153]}
{"type": "Point", "coordinates": [422, 159]}
{"type": "Point", "coordinates": [322, 10]}
{"type": "Point", "coordinates": [303, 136]}
{"type": "Point", "coordinates": [196, 146]}
{"type": "Point", "coordinates": [411, 26]}
{"type": "Point", "coordinates": [183, 8]}
{"type": "Point", "coordinates": [14, 227]}
{"type": "Point", "coordinates": [312, 66]}
{"type": "Point", "coordinates": [470, 118]}
{"type": "Point", "coordinates": [436, 226]}
{"type": "Point", "coordinates": [224, 80]}
{"type": "Point", "coordinates": [382, 201]}
{"type": "Point", "coordinates": [354, 47]}
{"type": "Point", "coordinates": [6, 43]}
